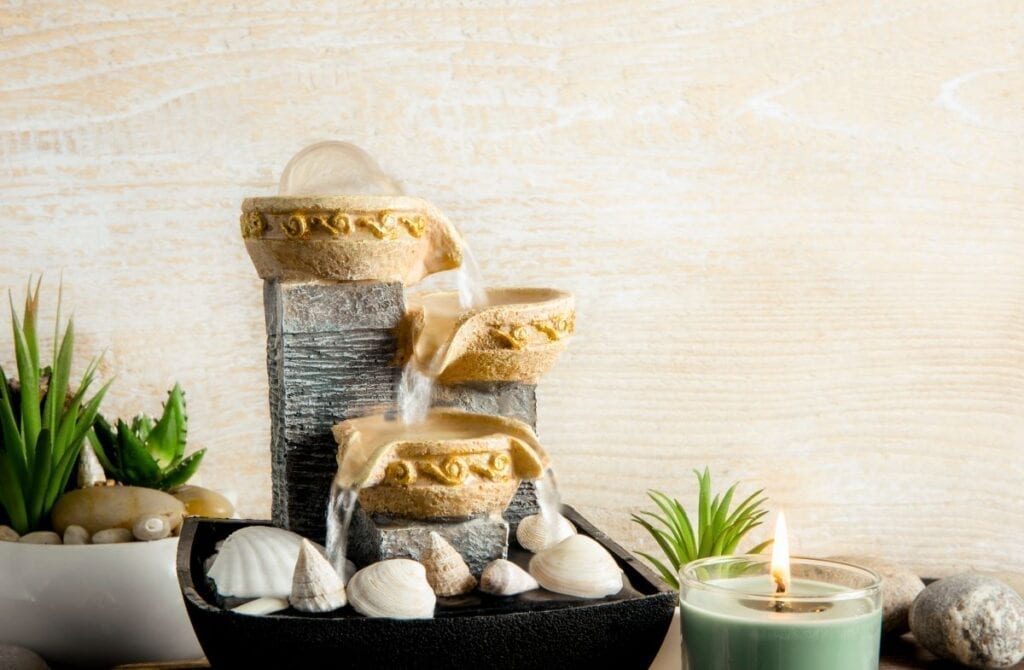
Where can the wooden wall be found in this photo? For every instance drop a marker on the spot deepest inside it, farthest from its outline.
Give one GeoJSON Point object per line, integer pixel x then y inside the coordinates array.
{"type": "Point", "coordinates": [795, 229]}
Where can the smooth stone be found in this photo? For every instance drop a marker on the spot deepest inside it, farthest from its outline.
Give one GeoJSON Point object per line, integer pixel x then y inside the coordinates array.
{"type": "Point", "coordinates": [200, 501]}
{"type": "Point", "coordinates": [112, 536]}
{"type": "Point", "coordinates": [19, 658]}
{"type": "Point", "coordinates": [101, 507]}
{"type": "Point", "coordinates": [262, 606]}
{"type": "Point", "coordinates": [971, 618]}
{"type": "Point", "coordinates": [40, 537]}
{"type": "Point", "coordinates": [76, 535]}
{"type": "Point", "coordinates": [8, 534]}
{"type": "Point", "coordinates": [899, 588]}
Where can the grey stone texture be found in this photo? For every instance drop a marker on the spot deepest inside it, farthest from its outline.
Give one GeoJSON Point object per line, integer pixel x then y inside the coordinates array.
{"type": "Point", "coordinates": [330, 357]}
{"type": "Point", "coordinates": [974, 619]}
{"type": "Point", "coordinates": [331, 352]}
{"type": "Point", "coordinates": [900, 587]}
{"type": "Point", "coordinates": [480, 540]}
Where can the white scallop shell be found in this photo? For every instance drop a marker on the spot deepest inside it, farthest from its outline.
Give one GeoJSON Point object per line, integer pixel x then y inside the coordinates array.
{"type": "Point", "coordinates": [447, 572]}
{"type": "Point", "coordinates": [536, 532]}
{"type": "Point", "coordinates": [505, 578]}
{"type": "Point", "coordinates": [393, 589]}
{"type": "Point", "coordinates": [577, 566]}
{"type": "Point", "coordinates": [316, 587]}
{"type": "Point", "coordinates": [256, 562]}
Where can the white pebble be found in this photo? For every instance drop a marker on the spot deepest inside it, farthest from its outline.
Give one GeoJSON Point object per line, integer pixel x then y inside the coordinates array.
{"type": "Point", "coordinates": [76, 535]}
{"type": "Point", "coordinates": [41, 537]}
{"type": "Point", "coordinates": [112, 536]}
{"type": "Point", "coordinates": [8, 534]}
{"type": "Point", "coordinates": [151, 527]}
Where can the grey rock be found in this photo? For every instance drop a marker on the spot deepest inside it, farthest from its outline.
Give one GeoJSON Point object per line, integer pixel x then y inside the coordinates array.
{"type": "Point", "coordinates": [899, 588]}
{"type": "Point", "coordinates": [480, 540]}
{"type": "Point", "coordinates": [974, 619]}
{"type": "Point", "coordinates": [19, 658]}
{"type": "Point", "coordinates": [517, 401]}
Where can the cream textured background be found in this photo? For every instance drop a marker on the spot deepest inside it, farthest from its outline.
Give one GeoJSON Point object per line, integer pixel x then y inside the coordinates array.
{"type": "Point", "coordinates": [795, 228]}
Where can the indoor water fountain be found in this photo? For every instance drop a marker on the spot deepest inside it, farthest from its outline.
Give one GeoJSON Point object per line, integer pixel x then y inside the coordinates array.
{"type": "Point", "coordinates": [403, 436]}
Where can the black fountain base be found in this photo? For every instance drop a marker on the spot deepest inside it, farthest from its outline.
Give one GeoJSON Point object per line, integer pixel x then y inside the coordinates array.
{"type": "Point", "coordinates": [536, 629]}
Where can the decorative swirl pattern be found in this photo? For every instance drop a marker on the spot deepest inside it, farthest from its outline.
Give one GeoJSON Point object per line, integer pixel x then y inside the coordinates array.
{"type": "Point", "coordinates": [517, 336]}
{"type": "Point", "coordinates": [302, 224]}
{"type": "Point", "coordinates": [400, 473]}
{"type": "Point", "coordinates": [452, 470]}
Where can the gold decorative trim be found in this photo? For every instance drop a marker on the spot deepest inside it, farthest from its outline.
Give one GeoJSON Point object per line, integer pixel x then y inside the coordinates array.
{"type": "Point", "coordinates": [305, 224]}
{"type": "Point", "coordinates": [517, 335]}
{"type": "Point", "coordinates": [452, 470]}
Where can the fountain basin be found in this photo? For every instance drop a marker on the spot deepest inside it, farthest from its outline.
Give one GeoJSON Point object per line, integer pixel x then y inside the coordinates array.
{"type": "Point", "coordinates": [536, 629]}
{"type": "Point", "coordinates": [348, 238]}
{"type": "Point", "coordinates": [451, 465]}
{"type": "Point", "coordinates": [517, 337]}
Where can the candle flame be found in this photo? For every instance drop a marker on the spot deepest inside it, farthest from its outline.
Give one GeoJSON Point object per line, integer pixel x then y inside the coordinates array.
{"type": "Point", "coordinates": [780, 556]}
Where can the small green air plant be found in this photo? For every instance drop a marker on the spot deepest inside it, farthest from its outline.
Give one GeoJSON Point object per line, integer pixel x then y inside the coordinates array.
{"type": "Point", "coordinates": [146, 452]}
{"type": "Point", "coordinates": [43, 423]}
{"type": "Point", "coordinates": [718, 530]}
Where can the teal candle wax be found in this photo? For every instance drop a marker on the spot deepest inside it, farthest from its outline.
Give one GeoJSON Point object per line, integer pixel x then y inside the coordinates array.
{"type": "Point", "coordinates": [735, 623]}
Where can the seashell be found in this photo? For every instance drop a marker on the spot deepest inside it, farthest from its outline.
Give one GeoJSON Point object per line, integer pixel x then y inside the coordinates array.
{"type": "Point", "coordinates": [151, 527]}
{"type": "Point", "coordinates": [536, 533]}
{"type": "Point", "coordinates": [40, 537]}
{"type": "Point", "coordinates": [577, 566]}
{"type": "Point", "coordinates": [90, 472]}
{"type": "Point", "coordinates": [447, 572]}
{"type": "Point", "coordinates": [262, 606]}
{"type": "Point", "coordinates": [505, 578]}
{"type": "Point", "coordinates": [393, 589]}
{"type": "Point", "coordinates": [316, 587]}
{"type": "Point", "coordinates": [8, 534]}
{"type": "Point", "coordinates": [112, 536]}
{"type": "Point", "coordinates": [255, 562]}
{"type": "Point", "coordinates": [76, 535]}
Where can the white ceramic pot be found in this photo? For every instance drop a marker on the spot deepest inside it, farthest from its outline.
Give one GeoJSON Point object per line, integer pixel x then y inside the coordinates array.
{"type": "Point", "coordinates": [95, 605]}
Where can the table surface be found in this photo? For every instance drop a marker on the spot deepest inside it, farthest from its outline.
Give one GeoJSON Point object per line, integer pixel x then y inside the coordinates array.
{"type": "Point", "coordinates": [901, 654]}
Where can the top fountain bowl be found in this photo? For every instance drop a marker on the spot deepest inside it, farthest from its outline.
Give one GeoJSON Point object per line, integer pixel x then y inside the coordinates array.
{"type": "Point", "coordinates": [516, 337]}
{"type": "Point", "coordinates": [388, 238]}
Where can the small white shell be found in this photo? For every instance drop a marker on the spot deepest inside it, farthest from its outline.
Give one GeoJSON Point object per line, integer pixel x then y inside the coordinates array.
{"type": "Point", "coordinates": [90, 472]}
{"type": "Point", "coordinates": [262, 606]}
{"type": "Point", "coordinates": [8, 534]}
{"type": "Point", "coordinates": [40, 537]}
{"type": "Point", "coordinates": [577, 566]}
{"type": "Point", "coordinates": [112, 536]}
{"type": "Point", "coordinates": [536, 532]}
{"type": "Point", "coordinates": [447, 572]}
{"type": "Point", "coordinates": [255, 562]}
{"type": "Point", "coordinates": [316, 587]}
{"type": "Point", "coordinates": [393, 589]}
{"type": "Point", "coordinates": [505, 578]}
{"type": "Point", "coordinates": [151, 527]}
{"type": "Point", "coordinates": [76, 535]}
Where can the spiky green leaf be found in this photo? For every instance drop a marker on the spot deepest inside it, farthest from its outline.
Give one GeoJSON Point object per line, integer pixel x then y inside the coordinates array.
{"type": "Point", "coordinates": [181, 472]}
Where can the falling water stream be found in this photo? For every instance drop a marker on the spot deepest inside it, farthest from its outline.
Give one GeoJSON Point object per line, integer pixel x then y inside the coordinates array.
{"type": "Point", "coordinates": [549, 500]}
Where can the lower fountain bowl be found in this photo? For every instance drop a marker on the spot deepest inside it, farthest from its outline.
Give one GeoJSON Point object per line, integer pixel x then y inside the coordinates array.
{"type": "Point", "coordinates": [536, 629]}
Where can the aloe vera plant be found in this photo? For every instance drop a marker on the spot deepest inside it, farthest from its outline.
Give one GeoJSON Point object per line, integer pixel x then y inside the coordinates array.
{"type": "Point", "coordinates": [718, 531]}
{"type": "Point", "coordinates": [43, 423]}
{"type": "Point", "coordinates": [146, 452]}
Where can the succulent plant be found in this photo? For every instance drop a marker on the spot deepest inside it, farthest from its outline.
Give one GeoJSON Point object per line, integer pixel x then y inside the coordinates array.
{"type": "Point", "coordinates": [43, 423]}
{"type": "Point", "coordinates": [718, 532]}
{"type": "Point", "coordinates": [146, 452]}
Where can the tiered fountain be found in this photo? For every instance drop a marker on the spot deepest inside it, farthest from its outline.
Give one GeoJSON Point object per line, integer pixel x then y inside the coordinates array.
{"type": "Point", "coordinates": [413, 419]}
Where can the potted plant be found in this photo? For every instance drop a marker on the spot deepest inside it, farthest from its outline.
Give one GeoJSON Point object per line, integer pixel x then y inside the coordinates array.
{"type": "Point", "coordinates": [69, 592]}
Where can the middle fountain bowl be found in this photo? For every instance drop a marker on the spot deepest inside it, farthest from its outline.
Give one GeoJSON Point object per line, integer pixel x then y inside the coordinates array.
{"type": "Point", "coordinates": [516, 337]}
{"type": "Point", "coordinates": [453, 464]}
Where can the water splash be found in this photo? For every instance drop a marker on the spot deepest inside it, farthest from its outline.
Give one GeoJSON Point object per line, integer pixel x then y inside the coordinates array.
{"type": "Point", "coordinates": [550, 501]}
{"type": "Point", "coordinates": [340, 506]}
{"type": "Point", "coordinates": [472, 290]}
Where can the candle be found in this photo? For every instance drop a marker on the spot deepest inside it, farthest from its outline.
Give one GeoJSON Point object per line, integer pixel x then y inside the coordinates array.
{"type": "Point", "coordinates": [746, 613]}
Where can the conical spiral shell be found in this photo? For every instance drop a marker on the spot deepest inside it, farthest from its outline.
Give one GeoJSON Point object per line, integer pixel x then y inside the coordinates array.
{"type": "Point", "coordinates": [577, 566]}
{"type": "Point", "coordinates": [90, 472]}
{"type": "Point", "coordinates": [393, 589]}
{"type": "Point", "coordinates": [316, 587]}
{"type": "Point", "coordinates": [505, 578]}
{"type": "Point", "coordinates": [256, 562]}
{"type": "Point", "coordinates": [447, 572]}
{"type": "Point", "coordinates": [536, 532]}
